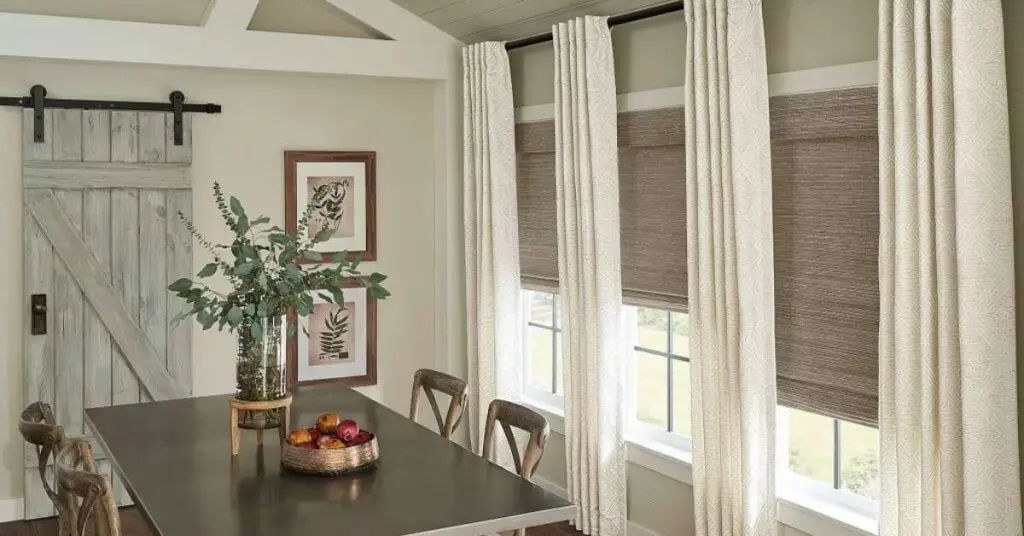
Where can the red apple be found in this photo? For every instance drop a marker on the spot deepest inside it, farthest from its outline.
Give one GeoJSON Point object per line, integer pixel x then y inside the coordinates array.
{"type": "Point", "coordinates": [360, 438]}
{"type": "Point", "coordinates": [347, 430]}
{"type": "Point", "coordinates": [310, 446]}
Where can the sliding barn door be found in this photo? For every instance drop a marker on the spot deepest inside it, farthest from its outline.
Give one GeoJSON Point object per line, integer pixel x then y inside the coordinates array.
{"type": "Point", "coordinates": [102, 242]}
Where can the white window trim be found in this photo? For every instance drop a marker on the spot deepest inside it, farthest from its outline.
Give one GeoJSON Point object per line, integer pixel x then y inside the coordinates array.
{"type": "Point", "coordinates": [804, 505]}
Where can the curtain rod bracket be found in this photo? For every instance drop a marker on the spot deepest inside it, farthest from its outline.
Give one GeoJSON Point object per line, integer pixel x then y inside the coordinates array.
{"type": "Point", "coordinates": [177, 103]}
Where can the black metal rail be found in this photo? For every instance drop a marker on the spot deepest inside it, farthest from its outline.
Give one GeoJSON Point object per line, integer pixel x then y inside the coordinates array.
{"type": "Point", "coordinates": [175, 104]}
{"type": "Point", "coordinates": [625, 18]}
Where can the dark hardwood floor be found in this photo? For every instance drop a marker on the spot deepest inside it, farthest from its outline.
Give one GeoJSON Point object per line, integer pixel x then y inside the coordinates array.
{"type": "Point", "coordinates": [133, 525]}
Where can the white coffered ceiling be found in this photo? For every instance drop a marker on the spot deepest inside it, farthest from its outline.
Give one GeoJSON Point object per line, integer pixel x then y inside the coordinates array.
{"type": "Point", "coordinates": [506, 20]}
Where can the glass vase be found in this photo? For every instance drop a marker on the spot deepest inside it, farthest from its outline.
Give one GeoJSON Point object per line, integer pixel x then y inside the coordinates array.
{"type": "Point", "coordinates": [260, 370]}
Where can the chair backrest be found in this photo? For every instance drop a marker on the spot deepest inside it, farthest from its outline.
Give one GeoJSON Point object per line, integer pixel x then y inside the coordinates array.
{"type": "Point", "coordinates": [509, 415]}
{"type": "Point", "coordinates": [432, 380]}
{"type": "Point", "coordinates": [39, 428]}
{"type": "Point", "coordinates": [84, 492]}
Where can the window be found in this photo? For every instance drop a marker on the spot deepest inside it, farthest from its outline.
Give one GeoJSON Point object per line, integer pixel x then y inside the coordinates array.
{"type": "Point", "coordinates": [543, 347]}
{"type": "Point", "coordinates": [662, 376]}
{"type": "Point", "coordinates": [823, 454]}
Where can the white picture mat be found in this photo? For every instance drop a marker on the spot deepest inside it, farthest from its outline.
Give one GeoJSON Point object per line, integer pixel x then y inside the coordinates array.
{"type": "Point", "coordinates": [355, 367]}
{"type": "Point", "coordinates": [356, 170]}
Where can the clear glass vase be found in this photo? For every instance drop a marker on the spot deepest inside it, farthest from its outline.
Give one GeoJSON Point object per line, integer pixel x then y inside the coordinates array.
{"type": "Point", "coordinates": [260, 370]}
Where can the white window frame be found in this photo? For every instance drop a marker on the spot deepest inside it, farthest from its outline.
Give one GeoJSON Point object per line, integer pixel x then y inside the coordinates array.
{"type": "Point", "coordinates": [546, 400]}
{"type": "Point", "coordinates": [640, 432]}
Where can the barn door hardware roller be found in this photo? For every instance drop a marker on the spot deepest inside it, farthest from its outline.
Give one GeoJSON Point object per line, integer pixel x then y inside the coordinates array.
{"type": "Point", "coordinates": [176, 106]}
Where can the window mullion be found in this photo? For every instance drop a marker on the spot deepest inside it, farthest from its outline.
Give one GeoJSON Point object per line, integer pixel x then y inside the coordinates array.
{"type": "Point", "coordinates": [671, 388]}
{"type": "Point", "coordinates": [554, 345]}
{"type": "Point", "coordinates": [837, 460]}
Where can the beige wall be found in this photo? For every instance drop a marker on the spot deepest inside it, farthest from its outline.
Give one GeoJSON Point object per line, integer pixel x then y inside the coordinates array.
{"type": "Point", "coordinates": [242, 148]}
{"type": "Point", "coordinates": [800, 34]}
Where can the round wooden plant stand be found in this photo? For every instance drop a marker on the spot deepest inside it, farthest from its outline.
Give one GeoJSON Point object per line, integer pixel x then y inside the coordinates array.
{"type": "Point", "coordinates": [262, 405]}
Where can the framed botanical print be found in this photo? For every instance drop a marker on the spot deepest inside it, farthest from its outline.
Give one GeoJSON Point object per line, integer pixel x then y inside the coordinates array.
{"type": "Point", "coordinates": [335, 343]}
{"type": "Point", "coordinates": [347, 186]}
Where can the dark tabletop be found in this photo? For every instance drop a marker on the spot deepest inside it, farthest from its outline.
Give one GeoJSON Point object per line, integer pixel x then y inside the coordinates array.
{"type": "Point", "coordinates": [174, 458]}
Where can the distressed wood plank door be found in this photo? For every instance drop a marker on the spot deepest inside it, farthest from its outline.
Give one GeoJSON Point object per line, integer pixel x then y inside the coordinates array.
{"type": "Point", "coordinates": [102, 242]}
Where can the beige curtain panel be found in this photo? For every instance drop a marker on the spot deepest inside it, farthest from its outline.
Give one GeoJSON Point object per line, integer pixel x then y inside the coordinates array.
{"type": "Point", "coordinates": [825, 186]}
{"type": "Point", "coordinates": [491, 226]}
{"type": "Point", "coordinates": [947, 344]}
{"type": "Point", "coordinates": [652, 200]}
{"type": "Point", "coordinates": [587, 193]}
{"type": "Point", "coordinates": [729, 257]}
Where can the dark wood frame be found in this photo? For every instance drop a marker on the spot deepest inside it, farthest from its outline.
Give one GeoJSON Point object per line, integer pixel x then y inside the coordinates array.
{"type": "Point", "coordinates": [292, 211]}
{"type": "Point", "coordinates": [370, 378]}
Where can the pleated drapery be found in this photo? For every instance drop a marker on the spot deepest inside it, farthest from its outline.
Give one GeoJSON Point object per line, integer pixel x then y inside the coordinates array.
{"type": "Point", "coordinates": [947, 342]}
{"type": "Point", "coordinates": [589, 274]}
{"type": "Point", "coordinates": [730, 270]}
{"type": "Point", "coordinates": [492, 232]}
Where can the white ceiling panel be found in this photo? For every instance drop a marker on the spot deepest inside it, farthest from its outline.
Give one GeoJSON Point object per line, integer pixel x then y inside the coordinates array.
{"type": "Point", "coordinates": [310, 17]}
{"type": "Point", "coordinates": [507, 20]}
{"type": "Point", "coordinates": [182, 12]}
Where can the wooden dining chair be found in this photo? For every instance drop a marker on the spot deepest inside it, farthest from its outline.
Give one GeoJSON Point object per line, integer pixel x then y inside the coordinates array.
{"type": "Point", "coordinates": [86, 494]}
{"type": "Point", "coordinates": [509, 415]}
{"type": "Point", "coordinates": [432, 380]}
{"type": "Point", "coordinates": [39, 428]}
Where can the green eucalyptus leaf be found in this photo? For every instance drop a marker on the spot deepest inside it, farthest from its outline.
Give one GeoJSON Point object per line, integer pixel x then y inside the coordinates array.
{"type": "Point", "coordinates": [379, 293]}
{"type": "Point", "coordinates": [313, 256]}
{"type": "Point", "coordinates": [325, 297]}
{"type": "Point", "coordinates": [236, 206]}
{"type": "Point", "coordinates": [235, 315]}
{"type": "Point", "coordinates": [208, 270]}
{"type": "Point", "coordinates": [245, 268]}
{"type": "Point", "coordinates": [324, 235]}
{"type": "Point", "coordinates": [243, 224]}
{"type": "Point", "coordinates": [260, 221]}
{"type": "Point", "coordinates": [181, 285]}
{"type": "Point", "coordinates": [377, 277]}
{"type": "Point", "coordinates": [279, 238]}
{"type": "Point", "coordinates": [256, 330]}
{"type": "Point", "coordinates": [250, 309]}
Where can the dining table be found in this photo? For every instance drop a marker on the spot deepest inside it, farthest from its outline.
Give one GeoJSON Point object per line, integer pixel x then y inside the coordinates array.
{"type": "Point", "coordinates": [174, 460]}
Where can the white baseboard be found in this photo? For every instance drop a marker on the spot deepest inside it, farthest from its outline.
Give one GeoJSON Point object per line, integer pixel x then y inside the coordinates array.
{"type": "Point", "coordinates": [632, 528]}
{"type": "Point", "coordinates": [11, 510]}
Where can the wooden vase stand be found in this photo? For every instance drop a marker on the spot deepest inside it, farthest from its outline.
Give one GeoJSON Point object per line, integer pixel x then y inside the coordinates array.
{"type": "Point", "coordinates": [262, 405]}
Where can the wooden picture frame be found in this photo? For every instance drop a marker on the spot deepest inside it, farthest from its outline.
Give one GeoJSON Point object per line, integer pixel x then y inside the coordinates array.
{"type": "Point", "coordinates": [358, 170]}
{"type": "Point", "coordinates": [300, 347]}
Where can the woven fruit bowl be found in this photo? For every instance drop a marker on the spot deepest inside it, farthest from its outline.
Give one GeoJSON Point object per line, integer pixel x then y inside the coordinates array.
{"type": "Point", "coordinates": [334, 447]}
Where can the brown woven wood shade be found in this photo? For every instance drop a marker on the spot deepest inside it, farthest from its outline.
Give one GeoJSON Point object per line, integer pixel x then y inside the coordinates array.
{"type": "Point", "coordinates": [652, 206]}
{"type": "Point", "coordinates": [826, 223]}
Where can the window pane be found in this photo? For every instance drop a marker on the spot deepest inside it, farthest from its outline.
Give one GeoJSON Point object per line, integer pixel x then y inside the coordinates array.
{"type": "Point", "coordinates": [811, 445]}
{"type": "Point", "coordinates": [541, 307]}
{"type": "Point", "coordinates": [681, 398]}
{"type": "Point", "coordinates": [540, 358]}
{"type": "Point", "coordinates": [860, 459]}
{"type": "Point", "coordinates": [652, 389]}
{"type": "Point", "coordinates": [652, 329]}
{"type": "Point", "coordinates": [681, 334]}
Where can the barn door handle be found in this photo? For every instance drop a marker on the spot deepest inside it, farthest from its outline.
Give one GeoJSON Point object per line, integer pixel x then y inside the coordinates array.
{"type": "Point", "coordinates": [39, 314]}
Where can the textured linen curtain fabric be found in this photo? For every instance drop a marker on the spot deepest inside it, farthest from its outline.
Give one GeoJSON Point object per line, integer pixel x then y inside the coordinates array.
{"type": "Point", "coordinates": [589, 273]}
{"type": "Point", "coordinates": [948, 404]}
{"type": "Point", "coordinates": [730, 276]}
{"type": "Point", "coordinates": [492, 232]}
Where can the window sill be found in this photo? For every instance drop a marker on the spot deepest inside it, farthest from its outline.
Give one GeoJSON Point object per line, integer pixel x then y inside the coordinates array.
{"type": "Point", "coordinates": [806, 513]}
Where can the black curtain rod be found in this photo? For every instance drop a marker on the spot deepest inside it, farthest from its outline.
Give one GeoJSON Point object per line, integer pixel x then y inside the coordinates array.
{"type": "Point", "coordinates": [625, 18]}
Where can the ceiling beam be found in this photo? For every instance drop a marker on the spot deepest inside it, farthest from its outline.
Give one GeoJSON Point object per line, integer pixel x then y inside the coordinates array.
{"type": "Point", "coordinates": [393, 21]}
{"type": "Point", "coordinates": [229, 14]}
{"type": "Point", "coordinates": [77, 39]}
